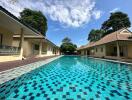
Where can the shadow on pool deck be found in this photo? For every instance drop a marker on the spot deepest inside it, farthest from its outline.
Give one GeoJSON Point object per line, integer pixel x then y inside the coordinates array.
{"type": "Point", "coordinates": [13, 64]}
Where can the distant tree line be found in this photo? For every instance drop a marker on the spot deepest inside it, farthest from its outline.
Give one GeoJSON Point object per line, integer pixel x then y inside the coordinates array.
{"type": "Point", "coordinates": [116, 21]}
{"type": "Point", "coordinates": [67, 47]}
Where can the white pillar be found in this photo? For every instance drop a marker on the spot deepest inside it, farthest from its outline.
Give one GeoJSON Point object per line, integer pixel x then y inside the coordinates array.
{"type": "Point", "coordinates": [118, 49]}
{"type": "Point", "coordinates": [21, 42]}
{"type": "Point", "coordinates": [40, 47]}
{"type": "Point", "coordinates": [85, 52]}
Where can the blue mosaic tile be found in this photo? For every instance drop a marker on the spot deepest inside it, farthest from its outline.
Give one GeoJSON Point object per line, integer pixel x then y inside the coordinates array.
{"type": "Point", "coordinates": [72, 78]}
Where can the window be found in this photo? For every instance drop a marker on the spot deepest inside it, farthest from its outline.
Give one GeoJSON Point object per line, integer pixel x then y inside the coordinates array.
{"type": "Point", "coordinates": [102, 49]}
{"type": "Point", "coordinates": [36, 47]}
{"type": "Point", "coordinates": [1, 37]}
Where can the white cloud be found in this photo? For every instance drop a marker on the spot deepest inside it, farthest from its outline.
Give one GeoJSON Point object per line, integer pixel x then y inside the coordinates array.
{"type": "Point", "coordinates": [97, 14]}
{"type": "Point", "coordinates": [11, 6]}
{"type": "Point", "coordinates": [83, 39]}
{"type": "Point", "coordinates": [68, 12]}
{"type": "Point", "coordinates": [56, 29]}
{"type": "Point", "coordinates": [114, 10]}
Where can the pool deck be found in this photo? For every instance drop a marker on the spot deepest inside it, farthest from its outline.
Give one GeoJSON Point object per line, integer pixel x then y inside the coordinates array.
{"type": "Point", "coordinates": [13, 64]}
{"type": "Point", "coordinates": [15, 69]}
{"type": "Point", "coordinates": [113, 59]}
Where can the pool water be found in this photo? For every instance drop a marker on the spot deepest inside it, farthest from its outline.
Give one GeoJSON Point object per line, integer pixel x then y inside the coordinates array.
{"type": "Point", "coordinates": [72, 78]}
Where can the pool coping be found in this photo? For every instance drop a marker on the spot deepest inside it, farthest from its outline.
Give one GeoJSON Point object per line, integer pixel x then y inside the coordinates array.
{"type": "Point", "coordinates": [18, 71]}
{"type": "Point", "coordinates": [110, 60]}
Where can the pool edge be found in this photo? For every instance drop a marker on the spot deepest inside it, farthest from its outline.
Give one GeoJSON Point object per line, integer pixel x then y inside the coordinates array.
{"type": "Point", "coordinates": [9, 74]}
{"type": "Point", "coordinates": [110, 60]}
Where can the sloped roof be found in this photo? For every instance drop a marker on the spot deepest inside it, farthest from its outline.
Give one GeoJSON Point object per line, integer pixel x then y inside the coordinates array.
{"type": "Point", "coordinates": [18, 20]}
{"type": "Point", "coordinates": [86, 46]}
{"type": "Point", "coordinates": [29, 36]}
{"type": "Point", "coordinates": [52, 43]}
{"type": "Point", "coordinates": [122, 34]}
{"type": "Point", "coordinates": [39, 36]}
{"type": "Point", "coordinates": [35, 37]}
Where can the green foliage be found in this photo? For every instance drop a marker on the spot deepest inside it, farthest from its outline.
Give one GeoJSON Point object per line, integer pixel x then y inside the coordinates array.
{"type": "Point", "coordinates": [34, 19]}
{"type": "Point", "coordinates": [116, 21]}
{"type": "Point", "coordinates": [95, 35]}
{"type": "Point", "coordinates": [67, 47]}
{"type": "Point", "coordinates": [66, 40]}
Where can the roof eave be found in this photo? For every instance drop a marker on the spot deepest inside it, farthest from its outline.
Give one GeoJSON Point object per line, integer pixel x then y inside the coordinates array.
{"type": "Point", "coordinates": [18, 20]}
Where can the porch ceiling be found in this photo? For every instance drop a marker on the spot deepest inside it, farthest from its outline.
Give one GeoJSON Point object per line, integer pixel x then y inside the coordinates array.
{"type": "Point", "coordinates": [13, 25]}
{"type": "Point", "coordinates": [121, 43]}
{"type": "Point", "coordinates": [34, 41]}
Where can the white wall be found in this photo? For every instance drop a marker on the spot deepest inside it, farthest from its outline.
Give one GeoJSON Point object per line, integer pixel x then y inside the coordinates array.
{"type": "Point", "coordinates": [7, 37]}
{"type": "Point", "coordinates": [100, 51]}
{"type": "Point", "coordinates": [49, 50]}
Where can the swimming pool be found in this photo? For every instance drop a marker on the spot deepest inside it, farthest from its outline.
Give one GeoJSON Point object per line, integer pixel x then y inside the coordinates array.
{"type": "Point", "coordinates": [72, 78]}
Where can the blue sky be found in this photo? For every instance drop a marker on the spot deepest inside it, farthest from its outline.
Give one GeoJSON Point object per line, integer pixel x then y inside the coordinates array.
{"type": "Point", "coordinates": [71, 18]}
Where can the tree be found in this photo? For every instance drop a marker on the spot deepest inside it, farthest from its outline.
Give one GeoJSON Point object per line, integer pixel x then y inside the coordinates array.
{"type": "Point", "coordinates": [116, 21]}
{"type": "Point", "coordinates": [67, 47]}
{"type": "Point", "coordinates": [66, 40]}
{"type": "Point", "coordinates": [95, 35]}
{"type": "Point", "coordinates": [34, 19]}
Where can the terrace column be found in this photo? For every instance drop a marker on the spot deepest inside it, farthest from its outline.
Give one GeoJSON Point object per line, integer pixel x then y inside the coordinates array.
{"type": "Point", "coordinates": [118, 49]}
{"type": "Point", "coordinates": [81, 52]}
{"type": "Point", "coordinates": [85, 52]}
{"type": "Point", "coordinates": [40, 48]}
{"type": "Point", "coordinates": [21, 42]}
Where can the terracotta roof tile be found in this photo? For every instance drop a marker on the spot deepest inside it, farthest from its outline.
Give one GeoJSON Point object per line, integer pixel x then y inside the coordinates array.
{"type": "Point", "coordinates": [115, 36]}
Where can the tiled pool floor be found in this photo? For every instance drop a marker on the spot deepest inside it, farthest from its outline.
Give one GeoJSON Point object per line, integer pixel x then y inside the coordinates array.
{"type": "Point", "coordinates": [72, 78]}
{"type": "Point", "coordinates": [18, 71]}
